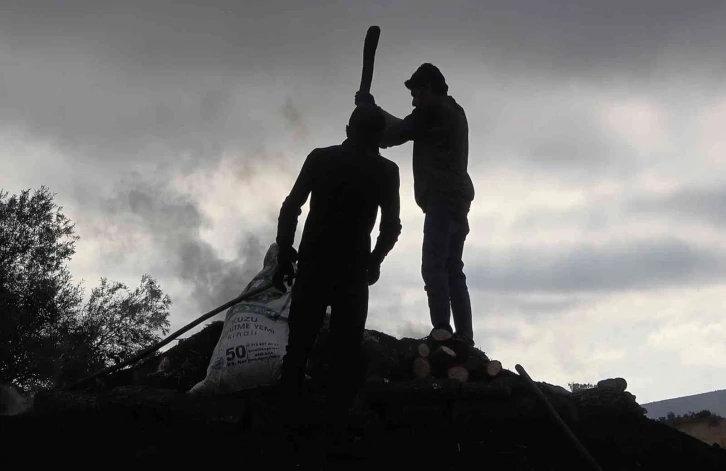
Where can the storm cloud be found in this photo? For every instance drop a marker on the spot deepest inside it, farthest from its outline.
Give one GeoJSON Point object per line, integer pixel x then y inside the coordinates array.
{"type": "Point", "coordinates": [173, 224]}
{"type": "Point", "coordinates": [631, 265]}
{"type": "Point", "coordinates": [171, 132]}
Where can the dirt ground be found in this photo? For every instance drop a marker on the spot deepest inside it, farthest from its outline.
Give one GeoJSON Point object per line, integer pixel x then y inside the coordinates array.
{"type": "Point", "coordinates": [141, 417]}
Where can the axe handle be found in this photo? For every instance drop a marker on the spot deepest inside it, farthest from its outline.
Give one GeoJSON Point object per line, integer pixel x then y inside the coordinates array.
{"type": "Point", "coordinates": [369, 56]}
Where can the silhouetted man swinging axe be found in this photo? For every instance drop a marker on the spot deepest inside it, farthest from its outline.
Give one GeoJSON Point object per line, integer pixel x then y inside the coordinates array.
{"type": "Point", "coordinates": [346, 183]}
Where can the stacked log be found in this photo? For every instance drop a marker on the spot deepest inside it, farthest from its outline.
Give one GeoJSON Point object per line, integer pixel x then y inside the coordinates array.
{"type": "Point", "coordinates": [444, 356]}
{"type": "Point", "coordinates": [421, 368]}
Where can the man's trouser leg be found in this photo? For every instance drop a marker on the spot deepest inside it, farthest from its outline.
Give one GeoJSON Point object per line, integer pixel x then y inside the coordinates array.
{"type": "Point", "coordinates": [434, 269]}
{"type": "Point", "coordinates": [458, 291]}
{"type": "Point", "coordinates": [349, 310]}
{"type": "Point", "coordinates": [307, 312]}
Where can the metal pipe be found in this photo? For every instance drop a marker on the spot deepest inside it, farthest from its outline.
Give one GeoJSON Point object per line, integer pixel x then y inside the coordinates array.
{"type": "Point", "coordinates": [151, 349]}
{"type": "Point", "coordinates": [553, 413]}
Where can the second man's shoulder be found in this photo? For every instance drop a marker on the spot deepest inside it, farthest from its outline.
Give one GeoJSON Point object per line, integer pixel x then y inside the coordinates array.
{"type": "Point", "coordinates": [388, 165]}
{"type": "Point", "coordinates": [320, 155]}
{"type": "Point", "coordinates": [323, 151]}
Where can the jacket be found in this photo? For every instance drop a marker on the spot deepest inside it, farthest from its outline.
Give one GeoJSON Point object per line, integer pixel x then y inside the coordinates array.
{"type": "Point", "coordinates": [440, 135]}
{"type": "Point", "coordinates": [346, 186]}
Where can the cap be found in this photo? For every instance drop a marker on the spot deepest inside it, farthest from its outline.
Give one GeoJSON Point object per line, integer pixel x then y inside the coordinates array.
{"type": "Point", "coordinates": [426, 73]}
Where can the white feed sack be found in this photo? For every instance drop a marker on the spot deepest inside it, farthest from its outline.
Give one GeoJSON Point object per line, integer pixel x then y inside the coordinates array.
{"type": "Point", "coordinates": [250, 350]}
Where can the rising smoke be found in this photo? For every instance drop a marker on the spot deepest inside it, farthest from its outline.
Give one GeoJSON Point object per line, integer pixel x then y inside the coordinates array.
{"type": "Point", "coordinates": [173, 224]}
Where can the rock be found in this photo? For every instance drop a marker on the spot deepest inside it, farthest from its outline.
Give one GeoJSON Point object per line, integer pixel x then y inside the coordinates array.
{"type": "Point", "coordinates": [619, 384]}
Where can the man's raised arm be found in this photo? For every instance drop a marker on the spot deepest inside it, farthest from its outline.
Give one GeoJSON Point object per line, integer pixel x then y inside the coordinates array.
{"type": "Point", "coordinates": [398, 131]}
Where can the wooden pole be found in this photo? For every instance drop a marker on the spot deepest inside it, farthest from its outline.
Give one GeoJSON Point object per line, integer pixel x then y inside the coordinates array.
{"type": "Point", "coordinates": [151, 349]}
{"type": "Point", "coordinates": [553, 413]}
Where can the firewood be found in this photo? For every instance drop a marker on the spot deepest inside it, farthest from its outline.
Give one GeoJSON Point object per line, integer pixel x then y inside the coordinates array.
{"type": "Point", "coordinates": [443, 357]}
{"type": "Point", "coordinates": [618, 384]}
{"type": "Point", "coordinates": [164, 365]}
{"type": "Point", "coordinates": [423, 350]}
{"type": "Point", "coordinates": [441, 335]}
{"type": "Point", "coordinates": [476, 365]}
{"type": "Point", "coordinates": [409, 353]}
{"type": "Point", "coordinates": [421, 368]}
{"type": "Point", "coordinates": [494, 368]}
{"type": "Point", "coordinates": [461, 348]}
{"type": "Point", "coordinates": [458, 373]}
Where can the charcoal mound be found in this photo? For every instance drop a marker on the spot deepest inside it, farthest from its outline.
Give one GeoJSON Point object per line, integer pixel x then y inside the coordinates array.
{"type": "Point", "coordinates": [487, 417]}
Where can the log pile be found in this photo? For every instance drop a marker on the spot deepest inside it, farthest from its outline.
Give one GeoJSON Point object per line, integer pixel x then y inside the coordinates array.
{"type": "Point", "coordinates": [388, 358]}
{"type": "Point", "coordinates": [441, 356]}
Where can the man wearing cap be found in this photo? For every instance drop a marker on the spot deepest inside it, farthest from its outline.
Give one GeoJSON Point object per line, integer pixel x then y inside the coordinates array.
{"type": "Point", "coordinates": [443, 189]}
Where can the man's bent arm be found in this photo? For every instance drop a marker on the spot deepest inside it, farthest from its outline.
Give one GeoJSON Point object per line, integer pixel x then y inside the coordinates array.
{"type": "Point", "coordinates": [390, 227]}
{"type": "Point", "coordinates": [292, 206]}
{"type": "Point", "coordinates": [399, 131]}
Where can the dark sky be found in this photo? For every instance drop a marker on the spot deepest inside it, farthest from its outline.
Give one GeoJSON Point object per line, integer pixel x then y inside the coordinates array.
{"type": "Point", "coordinates": [172, 132]}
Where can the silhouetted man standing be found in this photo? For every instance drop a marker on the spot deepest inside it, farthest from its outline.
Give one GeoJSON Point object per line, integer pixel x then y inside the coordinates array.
{"type": "Point", "coordinates": [440, 133]}
{"type": "Point", "coordinates": [347, 184]}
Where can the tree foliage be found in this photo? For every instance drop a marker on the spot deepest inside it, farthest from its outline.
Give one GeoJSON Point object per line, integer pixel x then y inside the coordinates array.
{"type": "Point", "coordinates": [48, 336]}
{"type": "Point", "coordinates": [117, 322]}
{"type": "Point", "coordinates": [675, 420]}
{"type": "Point", "coordinates": [36, 292]}
{"type": "Point", "coordinates": [579, 386]}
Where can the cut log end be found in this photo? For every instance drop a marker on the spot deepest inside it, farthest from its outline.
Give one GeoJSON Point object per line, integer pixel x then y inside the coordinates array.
{"type": "Point", "coordinates": [494, 367]}
{"type": "Point", "coordinates": [458, 373]}
{"type": "Point", "coordinates": [618, 384]}
{"type": "Point", "coordinates": [443, 356]}
{"type": "Point", "coordinates": [444, 350]}
{"type": "Point", "coordinates": [441, 335]}
{"type": "Point", "coordinates": [421, 368]}
{"type": "Point", "coordinates": [441, 360]}
{"type": "Point", "coordinates": [424, 351]}
{"type": "Point", "coordinates": [164, 365]}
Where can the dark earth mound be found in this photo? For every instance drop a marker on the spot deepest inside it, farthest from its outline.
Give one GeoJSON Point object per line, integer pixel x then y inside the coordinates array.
{"type": "Point", "coordinates": [143, 417]}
